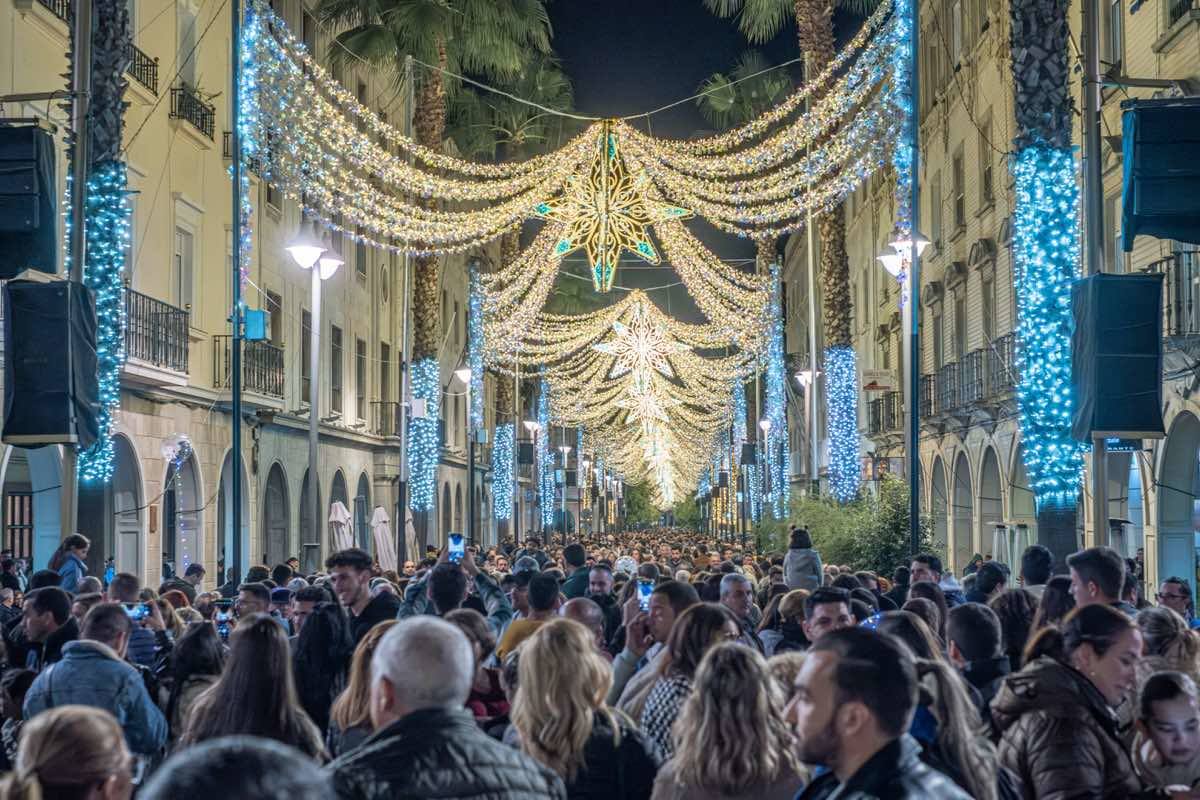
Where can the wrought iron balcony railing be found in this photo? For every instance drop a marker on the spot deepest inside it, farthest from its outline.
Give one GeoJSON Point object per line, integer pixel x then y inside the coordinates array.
{"type": "Point", "coordinates": [142, 68]}
{"type": "Point", "coordinates": [385, 418]}
{"type": "Point", "coordinates": [927, 396]}
{"type": "Point", "coordinates": [1001, 365]}
{"type": "Point", "coordinates": [262, 366]}
{"type": "Point", "coordinates": [947, 388]}
{"type": "Point", "coordinates": [188, 105]}
{"type": "Point", "coordinates": [1181, 305]}
{"type": "Point", "coordinates": [63, 9]}
{"type": "Point", "coordinates": [156, 332]}
{"type": "Point", "coordinates": [970, 378]}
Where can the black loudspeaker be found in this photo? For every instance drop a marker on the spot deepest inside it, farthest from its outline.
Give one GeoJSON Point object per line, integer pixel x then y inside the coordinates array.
{"type": "Point", "coordinates": [50, 381]}
{"type": "Point", "coordinates": [749, 453]}
{"type": "Point", "coordinates": [1161, 159]}
{"type": "Point", "coordinates": [1116, 357]}
{"type": "Point", "coordinates": [572, 477]}
{"type": "Point", "coordinates": [722, 479]}
{"type": "Point", "coordinates": [524, 453]}
{"type": "Point", "coordinates": [28, 223]}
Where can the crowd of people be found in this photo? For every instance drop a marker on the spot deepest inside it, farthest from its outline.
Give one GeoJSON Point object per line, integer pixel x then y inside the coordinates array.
{"type": "Point", "coordinates": [644, 665]}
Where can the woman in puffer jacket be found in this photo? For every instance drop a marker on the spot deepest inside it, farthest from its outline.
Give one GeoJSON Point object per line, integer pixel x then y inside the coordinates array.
{"type": "Point", "coordinates": [1058, 728]}
{"type": "Point", "coordinates": [802, 564]}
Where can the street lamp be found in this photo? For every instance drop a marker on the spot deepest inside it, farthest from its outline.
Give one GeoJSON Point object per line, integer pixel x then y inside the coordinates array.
{"type": "Point", "coordinates": [566, 449]}
{"type": "Point", "coordinates": [532, 427]}
{"type": "Point", "coordinates": [310, 254]}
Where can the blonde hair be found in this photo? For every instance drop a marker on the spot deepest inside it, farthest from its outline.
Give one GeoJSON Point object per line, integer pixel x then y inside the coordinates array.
{"type": "Point", "coordinates": [64, 752]}
{"type": "Point", "coordinates": [784, 667]}
{"type": "Point", "coordinates": [731, 735]}
{"type": "Point", "coordinates": [562, 683]}
{"type": "Point", "coordinates": [792, 604]}
{"type": "Point", "coordinates": [960, 731]}
{"type": "Point", "coordinates": [170, 617]}
{"type": "Point", "coordinates": [352, 708]}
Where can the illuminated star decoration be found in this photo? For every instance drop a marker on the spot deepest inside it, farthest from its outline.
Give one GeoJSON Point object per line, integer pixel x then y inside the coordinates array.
{"type": "Point", "coordinates": [606, 211]}
{"type": "Point", "coordinates": [641, 346]}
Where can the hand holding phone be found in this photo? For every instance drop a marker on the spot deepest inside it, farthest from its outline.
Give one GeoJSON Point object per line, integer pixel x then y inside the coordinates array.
{"type": "Point", "coordinates": [645, 589]}
{"type": "Point", "coordinates": [456, 550]}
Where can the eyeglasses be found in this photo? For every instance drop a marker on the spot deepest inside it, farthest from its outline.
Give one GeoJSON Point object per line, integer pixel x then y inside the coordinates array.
{"type": "Point", "coordinates": [1162, 596]}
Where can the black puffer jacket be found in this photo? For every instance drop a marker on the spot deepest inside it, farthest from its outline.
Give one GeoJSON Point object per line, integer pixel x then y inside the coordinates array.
{"type": "Point", "coordinates": [894, 773]}
{"type": "Point", "coordinates": [620, 766]}
{"type": "Point", "coordinates": [440, 753]}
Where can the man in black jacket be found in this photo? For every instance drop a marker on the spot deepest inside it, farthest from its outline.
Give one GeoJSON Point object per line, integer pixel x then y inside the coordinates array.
{"type": "Point", "coordinates": [47, 626]}
{"type": "Point", "coordinates": [973, 644]}
{"type": "Point", "coordinates": [350, 571]}
{"type": "Point", "coordinates": [852, 704]}
{"type": "Point", "coordinates": [425, 743]}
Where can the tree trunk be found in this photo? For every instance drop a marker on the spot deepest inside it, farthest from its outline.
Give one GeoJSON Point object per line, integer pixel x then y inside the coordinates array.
{"type": "Point", "coordinates": [429, 124]}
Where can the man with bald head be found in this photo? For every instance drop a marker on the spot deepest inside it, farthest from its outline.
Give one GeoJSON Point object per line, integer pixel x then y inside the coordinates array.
{"type": "Point", "coordinates": [587, 613]}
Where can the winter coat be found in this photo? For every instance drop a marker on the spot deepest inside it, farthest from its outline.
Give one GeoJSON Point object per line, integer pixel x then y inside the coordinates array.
{"type": "Point", "coordinates": [986, 676]}
{"type": "Point", "coordinates": [382, 607]}
{"type": "Point", "coordinates": [802, 569]}
{"type": "Point", "coordinates": [438, 752]}
{"type": "Point", "coordinates": [667, 786]}
{"type": "Point", "coordinates": [618, 765]}
{"type": "Point", "coordinates": [71, 572]}
{"type": "Point", "coordinates": [92, 674]}
{"type": "Point", "coordinates": [577, 584]}
{"type": "Point", "coordinates": [1059, 736]}
{"type": "Point", "coordinates": [896, 772]}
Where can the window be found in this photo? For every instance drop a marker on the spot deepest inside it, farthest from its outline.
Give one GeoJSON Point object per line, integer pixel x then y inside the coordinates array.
{"type": "Point", "coordinates": [385, 372]}
{"type": "Point", "coordinates": [445, 314]}
{"type": "Point", "coordinates": [360, 378]}
{"type": "Point", "coordinates": [362, 101]}
{"type": "Point", "coordinates": [960, 325]}
{"type": "Point", "coordinates": [960, 191]}
{"type": "Point", "coordinates": [360, 254]}
{"type": "Point", "coordinates": [187, 44]}
{"type": "Point", "coordinates": [987, 191]}
{"type": "Point", "coordinates": [956, 32]}
{"type": "Point", "coordinates": [308, 33]}
{"type": "Point", "coordinates": [305, 357]}
{"type": "Point", "coordinates": [939, 354]}
{"type": "Point", "coordinates": [336, 237]}
{"type": "Point", "coordinates": [935, 209]}
{"type": "Point", "coordinates": [1112, 218]}
{"type": "Point", "coordinates": [274, 307]}
{"type": "Point", "coordinates": [885, 354]}
{"type": "Point", "coordinates": [455, 323]}
{"type": "Point", "coordinates": [181, 269]}
{"type": "Point", "coordinates": [1114, 33]}
{"type": "Point", "coordinates": [335, 369]}
{"type": "Point", "coordinates": [987, 299]}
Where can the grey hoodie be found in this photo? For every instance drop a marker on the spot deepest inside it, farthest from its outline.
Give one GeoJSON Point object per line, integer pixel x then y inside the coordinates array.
{"type": "Point", "coordinates": [802, 569]}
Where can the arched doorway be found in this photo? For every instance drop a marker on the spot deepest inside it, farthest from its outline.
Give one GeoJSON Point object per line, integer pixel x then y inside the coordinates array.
{"type": "Point", "coordinates": [963, 513]}
{"type": "Point", "coordinates": [991, 505]}
{"type": "Point", "coordinates": [275, 527]}
{"type": "Point", "coordinates": [1125, 502]}
{"type": "Point", "coordinates": [445, 512]}
{"type": "Point", "coordinates": [225, 514]}
{"type": "Point", "coordinates": [311, 531]}
{"type": "Point", "coordinates": [1022, 509]}
{"type": "Point", "coordinates": [939, 502]}
{"type": "Point", "coordinates": [110, 513]}
{"type": "Point", "coordinates": [31, 480]}
{"type": "Point", "coordinates": [183, 504]}
{"type": "Point", "coordinates": [337, 494]}
{"type": "Point", "coordinates": [1178, 490]}
{"type": "Point", "coordinates": [362, 513]}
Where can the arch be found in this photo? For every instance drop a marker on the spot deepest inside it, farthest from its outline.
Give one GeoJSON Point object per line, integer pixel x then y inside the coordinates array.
{"type": "Point", "coordinates": [362, 513]}
{"type": "Point", "coordinates": [337, 492]}
{"type": "Point", "coordinates": [991, 504]}
{"type": "Point", "coordinates": [458, 508]}
{"type": "Point", "coordinates": [1179, 480]}
{"type": "Point", "coordinates": [939, 503]}
{"type": "Point", "coordinates": [225, 514]}
{"type": "Point", "coordinates": [31, 481]}
{"type": "Point", "coordinates": [276, 528]}
{"type": "Point", "coordinates": [445, 511]}
{"type": "Point", "coordinates": [962, 513]}
{"type": "Point", "coordinates": [312, 532]}
{"type": "Point", "coordinates": [110, 513]}
{"type": "Point", "coordinates": [182, 537]}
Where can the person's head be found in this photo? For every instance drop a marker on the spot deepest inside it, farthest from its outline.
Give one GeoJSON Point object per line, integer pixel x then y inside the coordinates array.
{"type": "Point", "coordinates": [81, 604]}
{"type": "Point", "coordinates": [600, 581]}
{"type": "Point", "coordinates": [13, 686]}
{"type": "Point", "coordinates": [253, 598]}
{"type": "Point", "coordinates": [1036, 565]}
{"type": "Point", "coordinates": [1100, 642]}
{"type": "Point", "coordinates": [447, 586]}
{"type": "Point", "coordinates": [194, 574]}
{"type": "Point", "coordinates": [912, 630]}
{"type": "Point", "coordinates": [585, 611]}
{"type": "Point", "coordinates": [45, 611]}
{"type": "Point", "coordinates": [1169, 716]}
{"type": "Point", "coordinates": [124, 588]}
{"type": "Point", "coordinates": [901, 576]}
{"type": "Point", "coordinates": [199, 651]}
{"type": "Point", "coordinates": [855, 692]}
{"type": "Point", "coordinates": [239, 768]}
{"type": "Point", "coordinates": [477, 631]}
{"type": "Point", "coordinates": [990, 579]}
{"type": "Point", "coordinates": [826, 609]}
{"type": "Point", "coordinates": [77, 544]}
{"type": "Point", "coordinates": [1057, 601]}
{"type": "Point", "coordinates": [1167, 635]}
{"type": "Point", "coordinates": [972, 634]}
{"type": "Point", "coordinates": [562, 683]}
{"type": "Point", "coordinates": [43, 578]}
{"type": "Point", "coordinates": [574, 555]}
{"type": "Point", "coordinates": [926, 567]}
{"type": "Point", "coordinates": [694, 634]}
{"type": "Point", "coordinates": [1016, 610]}
{"type": "Point", "coordinates": [544, 594]}
{"type": "Point", "coordinates": [350, 573]}
{"type": "Point", "coordinates": [71, 753]}
{"type": "Point", "coordinates": [1176, 594]}
{"type": "Point", "coordinates": [737, 594]}
{"type": "Point", "coordinates": [352, 708]}
{"type": "Point", "coordinates": [281, 574]}
{"type": "Point", "coordinates": [724, 753]}
{"type": "Point", "coordinates": [89, 584]}
{"type": "Point", "coordinates": [108, 624]}
{"type": "Point", "coordinates": [668, 600]}
{"type": "Point", "coordinates": [409, 568]}
{"type": "Point", "coordinates": [800, 539]}
{"type": "Point", "coordinates": [423, 662]}
{"type": "Point", "coordinates": [1097, 575]}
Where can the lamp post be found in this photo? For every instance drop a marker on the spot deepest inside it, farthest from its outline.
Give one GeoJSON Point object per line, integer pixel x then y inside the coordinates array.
{"type": "Point", "coordinates": [898, 260]}
{"type": "Point", "coordinates": [310, 254]}
{"type": "Point", "coordinates": [765, 425]}
{"type": "Point", "coordinates": [464, 375]}
{"type": "Point", "coordinates": [566, 450]}
{"type": "Point", "coordinates": [532, 427]}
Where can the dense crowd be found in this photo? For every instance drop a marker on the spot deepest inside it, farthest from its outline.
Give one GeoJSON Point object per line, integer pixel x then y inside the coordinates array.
{"type": "Point", "coordinates": [644, 665]}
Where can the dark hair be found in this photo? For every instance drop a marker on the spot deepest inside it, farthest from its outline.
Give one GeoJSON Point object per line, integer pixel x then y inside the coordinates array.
{"type": "Point", "coordinates": [801, 540]}
{"type": "Point", "coordinates": [52, 599]}
{"type": "Point", "coordinates": [1036, 564]}
{"type": "Point", "coordinates": [1097, 625]}
{"type": "Point", "coordinates": [930, 560]}
{"type": "Point", "coordinates": [312, 594]}
{"type": "Point", "coordinates": [825, 595]}
{"type": "Point", "coordinates": [16, 682]}
{"type": "Point", "coordinates": [1166, 685]}
{"type": "Point", "coordinates": [875, 671]}
{"type": "Point", "coordinates": [694, 634]}
{"type": "Point", "coordinates": [846, 581]}
{"type": "Point", "coordinates": [901, 576]}
{"type": "Point", "coordinates": [199, 651]}
{"type": "Point", "coordinates": [866, 596]}
{"type": "Point", "coordinates": [194, 568]}
{"type": "Point", "coordinates": [1015, 609]}
{"type": "Point", "coordinates": [256, 693]}
{"type": "Point", "coordinates": [477, 631]}
{"type": "Point", "coordinates": [988, 577]}
{"type": "Point", "coordinates": [281, 574]}
{"type": "Point", "coordinates": [75, 540]}
{"type": "Point", "coordinates": [912, 630]}
{"type": "Point", "coordinates": [259, 590]}
{"type": "Point", "coordinates": [238, 767]}
{"type": "Point", "coordinates": [574, 554]}
{"type": "Point", "coordinates": [105, 622]}
{"type": "Point", "coordinates": [926, 609]}
{"type": "Point", "coordinates": [322, 658]}
{"type": "Point", "coordinates": [975, 630]}
{"type": "Point", "coordinates": [932, 592]}
{"type": "Point", "coordinates": [352, 557]}
{"type": "Point", "coordinates": [543, 591]}
{"type": "Point", "coordinates": [124, 588]}
{"type": "Point", "coordinates": [680, 596]}
{"type": "Point", "coordinates": [257, 574]}
{"type": "Point", "coordinates": [1101, 566]}
{"type": "Point", "coordinates": [447, 586]}
{"type": "Point", "coordinates": [1057, 601]}
{"type": "Point", "coordinates": [44, 578]}
{"type": "Point", "coordinates": [648, 571]}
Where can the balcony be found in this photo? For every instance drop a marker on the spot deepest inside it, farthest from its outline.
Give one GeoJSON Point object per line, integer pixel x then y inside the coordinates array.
{"type": "Point", "coordinates": [262, 366]}
{"type": "Point", "coordinates": [886, 413]}
{"type": "Point", "coordinates": [1176, 10]}
{"type": "Point", "coordinates": [1181, 305]}
{"type": "Point", "coordinates": [947, 388]}
{"type": "Point", "coordinates": [63, 9]}
{"type": "Point", "coordinates": [188, 105]}
{"type": "Point", "coordinates": [156, 333]}
{"type": "Point", "coordinates": [1001, 365]}
{"type": "Point", "coordinates": [385, 418]}
{"type": "Point", "coordinates": [227, 153]}
{"type": "Point", "coordinates": [970, 378]}
{"type": "Point", "coordinates": [142, 68]}
{"type": "Point", "coordinates": [927, 396]}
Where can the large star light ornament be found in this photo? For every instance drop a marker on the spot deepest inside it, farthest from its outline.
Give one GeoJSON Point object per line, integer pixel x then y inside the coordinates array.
{"type": "Point", "coordinates": [606, 211]}
{"type": "Point", "coordinates": [641, 346]}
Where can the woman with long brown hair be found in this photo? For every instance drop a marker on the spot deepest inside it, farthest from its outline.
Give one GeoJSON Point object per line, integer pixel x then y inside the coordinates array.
{"type": "Point", "coordinates": [350, 717]}
{"type": "Point", "coordinates": [70, 753]}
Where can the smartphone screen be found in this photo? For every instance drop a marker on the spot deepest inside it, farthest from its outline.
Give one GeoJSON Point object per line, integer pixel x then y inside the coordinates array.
{"type": "Point", "coordinates": [137, 611]}
{"type": "Point", "coordinates": [456, 547]}
{"type": "Point", "coordinates": [645, 589]}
